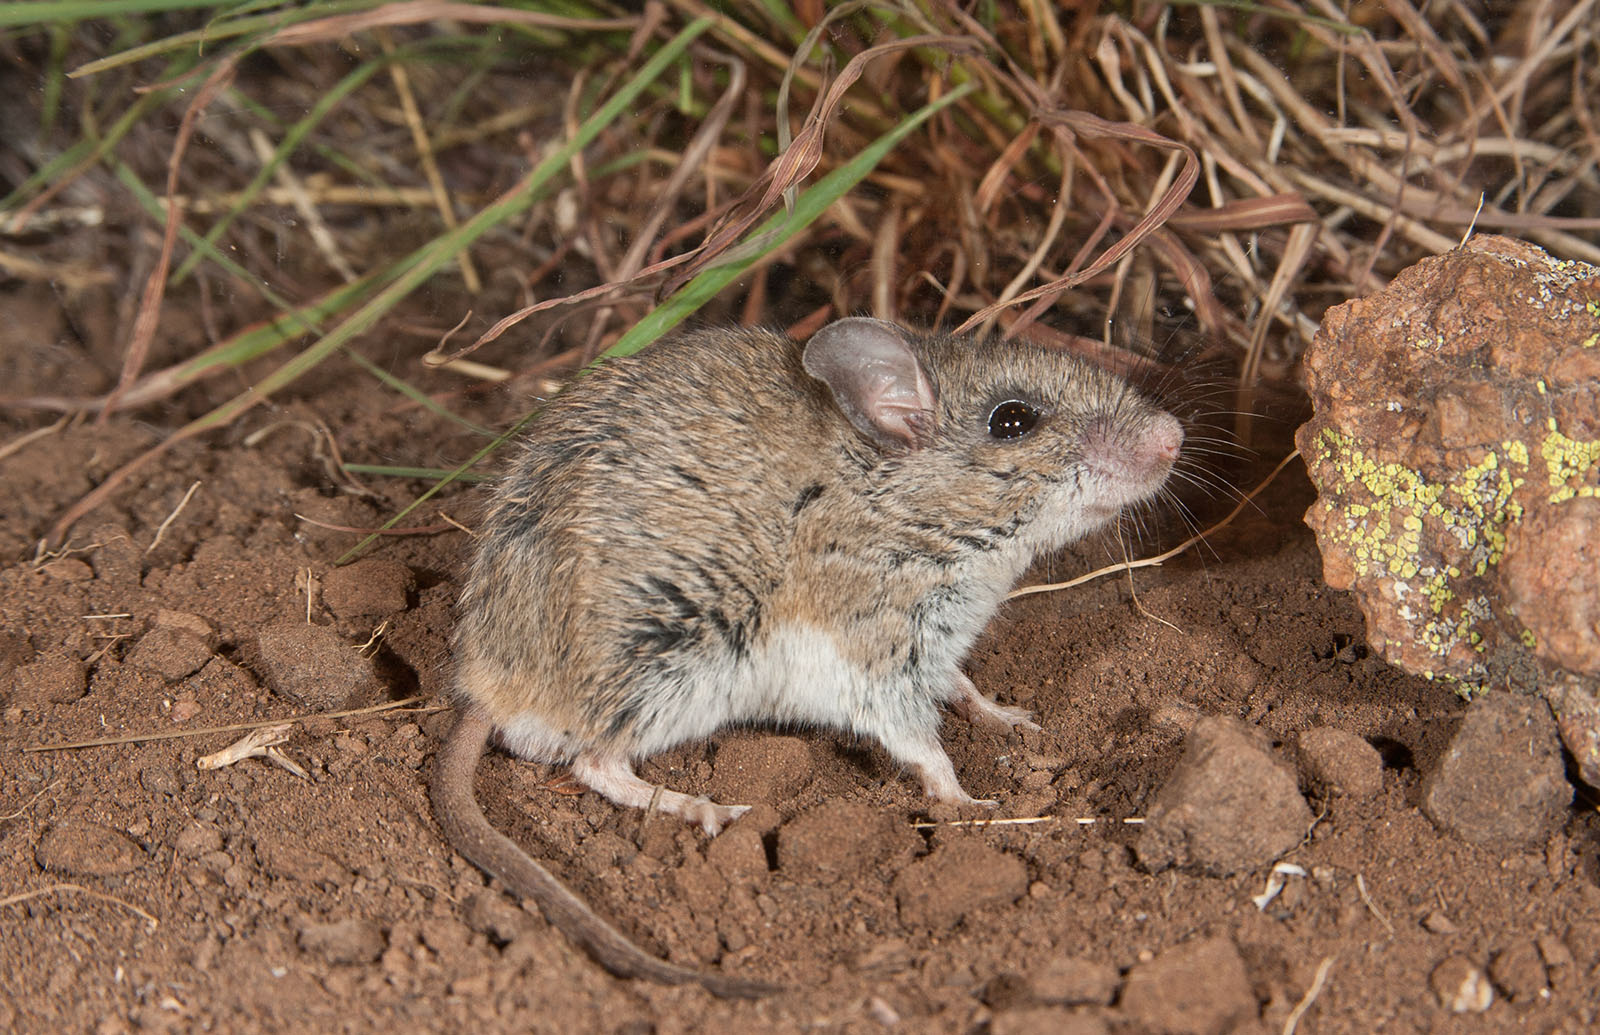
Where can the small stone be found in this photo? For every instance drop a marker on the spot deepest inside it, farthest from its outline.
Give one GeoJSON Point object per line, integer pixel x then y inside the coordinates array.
{"type": "Point", "coordinates": [1073, 981]}
{"type": "Point", "coordinates": [1502, 780]}
{"type": "Point", "coordinates": [344, 941]}
{"type": "Point", "coordinates": [373, 587]}
{"type": "Point", "coordinates": [759, 767]}
{"type": "Point", "coordinates": [311, 665]}
{"type": "Point", "coordinates": [1437, 923]}
{"type": "Point", "coordinates": [197, 839]}
{"type": "Point", "coordinates": [1227, 806]}
{"type": "Point", "coordinates": [1460, 986]}
{"type": "Point", "coordinates": [50, 680]}
{"type": "Point", "coordinates": [82, 849]}
{"type": "Point", "coordinates": [185, 709]}
{"type": "Point", "coordinates": [1336, 762]}
{"type": "Point", "coordinates": [1199, 988]}
{"type": "Point", "coordinates": [1518, 972]}
{"type": "Point", "coordinates": [955, 879]}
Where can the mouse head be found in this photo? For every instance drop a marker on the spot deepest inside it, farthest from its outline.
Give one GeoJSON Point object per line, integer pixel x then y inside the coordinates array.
{"type": "Point", "coordinates": [1002, 429]}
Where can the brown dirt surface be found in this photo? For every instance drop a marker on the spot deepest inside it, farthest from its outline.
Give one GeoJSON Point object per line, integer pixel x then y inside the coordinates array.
{"type": "Point", "coordinates": [143, 893]}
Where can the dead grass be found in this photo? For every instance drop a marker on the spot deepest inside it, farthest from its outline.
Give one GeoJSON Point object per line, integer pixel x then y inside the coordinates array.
{"type": "Point", "coordinates": [358, 177]}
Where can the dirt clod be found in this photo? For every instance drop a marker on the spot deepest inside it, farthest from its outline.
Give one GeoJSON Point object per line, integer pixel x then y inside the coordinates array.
{"type": "Point", "coordinates": [1502, 779]}
{"type": "Point", "coordinates": [1053, 1019]}
{"type": "Point", "coordinates": [178, 645]}
{"type": "Point", "coordinates": [1337, 762]}
{"type": "Point", "coordinates": [835, 838]}
{"type": "Point", "coordinates": [1199, 988]}
{"type": "Point", "coordinates": [955, 879]}
{"type": "Point", "coordinates": [373, 587]}
{"type": "Point", "coordinates": [760, 768]}
{"type": "Point", "coordinates": [311, 666]}
{"type": "Point", "coordinates": [1518, 972]}
{"type": "Point", "coordinates": [82, 849]}
{"type": "Point", "coordinates": [1073, 980]}
{"type": "Point", "coordinates": [50, 680]}
{"type": "Point", "coordinates": [344, 941]}
{"type": "Point", "coordinates": [1229, 805]}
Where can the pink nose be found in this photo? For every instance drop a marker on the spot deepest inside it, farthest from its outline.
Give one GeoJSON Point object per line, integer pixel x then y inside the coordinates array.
{"type": "Point", "coordinates": [1165, 438]}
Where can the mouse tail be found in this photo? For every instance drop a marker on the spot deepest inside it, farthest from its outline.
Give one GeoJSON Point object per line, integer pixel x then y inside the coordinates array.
{"type": "Point", "coordinates": [468, 830]}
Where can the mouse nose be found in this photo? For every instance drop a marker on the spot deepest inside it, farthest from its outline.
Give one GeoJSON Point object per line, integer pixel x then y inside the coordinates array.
{"type": "Point", "coordinates": [1165, 438]}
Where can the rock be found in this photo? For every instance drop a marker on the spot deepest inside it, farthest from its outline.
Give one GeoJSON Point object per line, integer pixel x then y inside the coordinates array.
{"type": "Point", "coordinates": [1502, 780]}
{"type": "Point", "coordinates": [82, 849]}
{"type": "Point", "coordinates": [956, 878]}
{"type": "Point", "coordinates": [311, 666]}
{"type": "Point", "coordinates": [177, 645]}
{"type": "Point", "coordinates": [1227, 806]}
{"type": "Point", "coordinates": [1460, 986]}
{"type": "Point", "coordinates": [1518, 972]}
{"type": "Point", "coordinates": [837, 838]}
{"type": "Point", "coordinates": [1199, 988]}
{"type": "Point", "coordinates": [1072, 981]}
{"type": "Point", "coordinates": [373, 587]}
{"type": "Point", "coordinates": [1458, 499]}
{"type": "Point", "coordinates": [344, 941]}
{"type": "Point", "coordinates": [1336, 762]}
{"type": "Point", "coordinates": [50, 680]}
{"type": "Point", "coordinates": [760, 768]}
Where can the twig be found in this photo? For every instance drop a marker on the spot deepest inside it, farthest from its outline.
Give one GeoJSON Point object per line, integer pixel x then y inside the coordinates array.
{"type": "Point", "coordinates": [16, 444]}
{"type": "Point", "coordinates": [1310, 997]}
{"type": "Point", "coordinates": [142, 738]}
{"type": "Point", "coordinates": [1361, 886]}
{"type": "Point", "coordinates": [162, 530]}
{"type": "Point", "coordinates": [24, 896]}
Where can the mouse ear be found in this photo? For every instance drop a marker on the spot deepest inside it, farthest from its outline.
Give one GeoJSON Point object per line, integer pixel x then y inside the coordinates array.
{"type": "Point", "coordinates": [875, 379]}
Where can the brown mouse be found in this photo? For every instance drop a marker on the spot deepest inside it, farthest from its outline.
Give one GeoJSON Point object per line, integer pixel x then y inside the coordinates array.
{"type": "Point", "coordinates": [730, 528]}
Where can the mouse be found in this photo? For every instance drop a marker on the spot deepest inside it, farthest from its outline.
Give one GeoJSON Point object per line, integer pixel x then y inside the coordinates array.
{"type": "Point", "coordinates": [733, 528]}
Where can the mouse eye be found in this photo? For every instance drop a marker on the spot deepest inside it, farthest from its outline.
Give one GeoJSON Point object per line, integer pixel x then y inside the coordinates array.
{"type": "Point", "coordinates": [1012, 419]}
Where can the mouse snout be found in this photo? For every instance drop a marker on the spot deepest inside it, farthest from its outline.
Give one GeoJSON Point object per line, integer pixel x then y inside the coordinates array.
{"type": "Point", "coordinates": [1137, 456]}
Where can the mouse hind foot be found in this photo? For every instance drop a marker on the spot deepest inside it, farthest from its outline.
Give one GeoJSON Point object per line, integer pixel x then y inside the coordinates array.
{"type": "Point", "coordinates": [613, 777]}
{"type": "Point", "coordinates": [975, 707]}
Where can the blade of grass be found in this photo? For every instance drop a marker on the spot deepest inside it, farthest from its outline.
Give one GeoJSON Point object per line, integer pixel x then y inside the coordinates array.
{"type": "Point", "coordinates": [421, 265]}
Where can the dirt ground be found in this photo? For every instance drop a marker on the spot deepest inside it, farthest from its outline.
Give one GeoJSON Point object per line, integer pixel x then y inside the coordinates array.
{"type": "Point", "coordinates": [142, 892]}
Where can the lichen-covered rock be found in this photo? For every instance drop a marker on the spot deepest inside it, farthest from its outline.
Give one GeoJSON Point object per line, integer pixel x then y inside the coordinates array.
{"type": "Point", "coordinates": [1456, 451]}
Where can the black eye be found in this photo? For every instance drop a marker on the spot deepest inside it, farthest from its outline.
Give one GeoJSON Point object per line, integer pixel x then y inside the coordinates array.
{"type": "Point", "coordinates": [1012, 419]}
